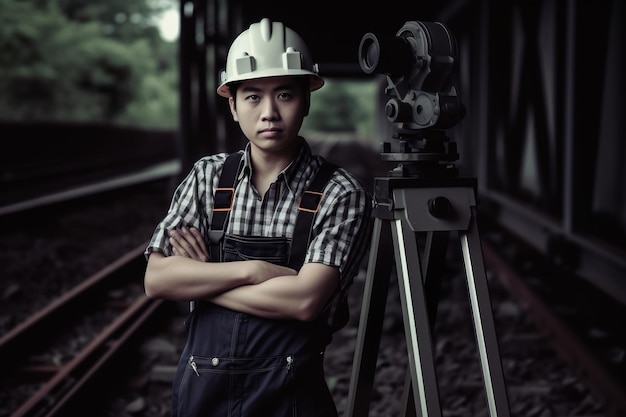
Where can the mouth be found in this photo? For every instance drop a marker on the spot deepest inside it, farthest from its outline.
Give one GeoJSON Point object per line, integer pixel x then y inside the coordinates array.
{"type": "Point", "coordinates": [270, 132]}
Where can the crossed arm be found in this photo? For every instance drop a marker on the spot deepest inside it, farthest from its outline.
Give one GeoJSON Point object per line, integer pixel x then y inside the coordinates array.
{"type": "Point", "coordinates": [255, 287]}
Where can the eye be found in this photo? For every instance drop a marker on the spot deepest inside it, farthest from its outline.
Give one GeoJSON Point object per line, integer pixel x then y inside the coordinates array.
{"type": "Point", "coordinates": [253, 97]}
{"type": "Point", "coordinates": [285, 95]}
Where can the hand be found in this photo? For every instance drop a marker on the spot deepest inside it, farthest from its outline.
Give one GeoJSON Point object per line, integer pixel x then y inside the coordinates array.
{"type": "Point", "coordinates": [189, 242]}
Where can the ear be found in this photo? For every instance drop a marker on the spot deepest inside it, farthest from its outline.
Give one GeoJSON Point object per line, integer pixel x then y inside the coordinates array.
{"type": "Point", "coordinates": [233, 108]}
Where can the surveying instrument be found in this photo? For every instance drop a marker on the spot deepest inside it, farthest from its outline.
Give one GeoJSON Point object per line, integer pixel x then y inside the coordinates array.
{"type": "Point", "coordinates": [423, 195]}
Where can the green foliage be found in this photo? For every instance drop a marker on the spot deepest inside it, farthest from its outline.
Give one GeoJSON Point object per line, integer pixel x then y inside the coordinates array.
{"type": "Point", "coordinates": [76, 60]}
{"type": "Point", "coordinates": [156, 105]}
{"type": "Point", "coordinates": [104, 61]}
{"type": "Point", "coordinates": [343, 106]}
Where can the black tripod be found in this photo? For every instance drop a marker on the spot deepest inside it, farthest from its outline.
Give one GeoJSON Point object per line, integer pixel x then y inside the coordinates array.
{"type": "Point", "coordinates": [405, 207]}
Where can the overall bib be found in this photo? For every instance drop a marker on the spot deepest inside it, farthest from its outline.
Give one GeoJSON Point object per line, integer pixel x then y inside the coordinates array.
{"type": "Point", "coordinates": [239, 365]}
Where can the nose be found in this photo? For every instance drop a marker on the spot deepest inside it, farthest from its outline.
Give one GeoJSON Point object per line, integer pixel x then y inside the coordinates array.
{"type": "Point", "coordinates": [269, 110]}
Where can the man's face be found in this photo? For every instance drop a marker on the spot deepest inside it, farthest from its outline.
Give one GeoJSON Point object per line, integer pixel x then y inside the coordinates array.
{"type": "Point", "coordinates": [270, 112]}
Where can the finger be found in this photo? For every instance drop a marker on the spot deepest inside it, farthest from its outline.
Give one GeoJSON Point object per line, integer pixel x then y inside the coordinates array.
{"type": "Point", "coordinates": [178, 252]}
{"type": "Point", "coordinates": [176, 240]}
{"type": "Point", "coordinates": [176, 236]}
{"type": "Point", "coordinates": [176, 248]}
{"type": "Point", "coordinates": [200, 240]}
{"type": "Point", "coordinates": [197, 242]}
{"type": "Point", "coordinates": [190, 243]}
{"type": "Point", "coordinates": [179, 245]}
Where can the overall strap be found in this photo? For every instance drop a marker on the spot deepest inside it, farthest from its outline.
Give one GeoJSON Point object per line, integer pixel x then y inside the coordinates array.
{"type": "Point", "coordinates": [223, 203]}
{"type": "Point", "coordinates": [307, 208]}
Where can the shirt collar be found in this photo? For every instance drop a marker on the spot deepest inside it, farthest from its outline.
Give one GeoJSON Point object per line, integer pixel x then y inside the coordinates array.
{"type": "Point", "coordinates": [293, 172]}
{"type": "Point", "coordinates": [291, 175]}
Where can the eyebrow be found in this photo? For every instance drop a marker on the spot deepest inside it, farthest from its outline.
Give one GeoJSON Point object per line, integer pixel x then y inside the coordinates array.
{"type": "Point", "coordinates": [253, 89]}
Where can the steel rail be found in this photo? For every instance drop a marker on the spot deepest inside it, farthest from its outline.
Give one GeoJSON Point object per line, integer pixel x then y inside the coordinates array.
{"type": "Point", "coordinates": [163, 170]}
{"type": "Point", "coordinates": [62, 383]}
{"type": "Point", "coordinates": [72, 376]}
{"type": "Point", "coordinates": [32, 328]}
{"type": "Point", "coordinates": [564, 340]}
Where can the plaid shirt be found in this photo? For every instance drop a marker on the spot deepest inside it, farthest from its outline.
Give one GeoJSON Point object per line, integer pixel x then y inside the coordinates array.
{"type": "Point", "coordinates": [341, 228]}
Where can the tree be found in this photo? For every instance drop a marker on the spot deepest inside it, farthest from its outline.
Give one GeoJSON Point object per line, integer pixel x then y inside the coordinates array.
{"type": "Point", "coordinates": [81, 60]}
{"type": "Point", "coordinates": [343, 106]}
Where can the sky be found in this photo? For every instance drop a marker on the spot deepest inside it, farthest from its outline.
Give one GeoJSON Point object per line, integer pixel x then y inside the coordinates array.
{"type": "Point", "coordinates": [169, 24]}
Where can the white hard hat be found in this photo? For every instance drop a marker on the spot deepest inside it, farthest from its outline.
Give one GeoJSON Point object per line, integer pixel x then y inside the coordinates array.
{"type": "Point", "coordinates": [268, 49]}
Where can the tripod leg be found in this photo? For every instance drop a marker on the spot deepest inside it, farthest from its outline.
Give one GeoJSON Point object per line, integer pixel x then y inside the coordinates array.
{"type": "Point", "coordinates": [433, 263]}
{"type": "Point", "coordinates": [408, 402]}
{"type": "Point", "coordinates": [483, 321]}
{"type": "Point", "coordinates": [416, 320]}
{"type": "Point", "coordinates": [371, 321]}
{"type": "Point", "coordinates": [433, 266]}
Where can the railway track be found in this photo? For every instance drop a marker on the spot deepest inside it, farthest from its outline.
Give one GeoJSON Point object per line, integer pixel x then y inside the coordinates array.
{"type": "Point", "coordinates": [86, 160]}
{"type": "Point", "coordinates": [55, 378]}
{"type": "Point", "coordinates": [550, 370]}
{"type": "Point", "coordinates": [583, 325]}
{"type": "Point", "coordinates": [50, 386]}
{"type": "Point", "coordinates": [51, 357]}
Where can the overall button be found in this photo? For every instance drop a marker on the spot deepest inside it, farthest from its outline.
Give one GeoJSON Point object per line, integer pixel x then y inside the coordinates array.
{"type": "Point", "coordinates": [215, 361]}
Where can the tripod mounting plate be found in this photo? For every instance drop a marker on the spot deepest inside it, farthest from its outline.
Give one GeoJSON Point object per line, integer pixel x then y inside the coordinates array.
{"type": "Point", "coordinates": [422, 219]}
{"type": "Point", "coordinates": [392, 200]}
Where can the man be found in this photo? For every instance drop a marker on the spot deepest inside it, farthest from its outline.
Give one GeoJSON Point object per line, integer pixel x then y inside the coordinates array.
{"type": "Point", "coordinates": [262, 314]}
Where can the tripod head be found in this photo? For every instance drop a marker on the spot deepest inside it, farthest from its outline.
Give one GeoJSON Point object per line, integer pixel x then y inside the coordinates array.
{"type": "Point", "coordinates": [419, 63]}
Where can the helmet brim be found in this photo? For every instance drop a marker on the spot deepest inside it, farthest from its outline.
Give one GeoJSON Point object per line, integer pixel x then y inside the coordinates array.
{"type": "Point", "coordinates": [315, 81]}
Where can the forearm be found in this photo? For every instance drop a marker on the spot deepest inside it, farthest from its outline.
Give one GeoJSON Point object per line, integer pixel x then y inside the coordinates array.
{"type": "Point", "coordinates": [183, 279]}
{"type": "Point", "coordinates": [299, 297]}
{"type": "Point", "coordinates": [277, 298]}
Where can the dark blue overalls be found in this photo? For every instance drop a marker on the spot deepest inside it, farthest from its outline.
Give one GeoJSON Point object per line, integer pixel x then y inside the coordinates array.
{"type": "Point", "coordinates": [239, 365]}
